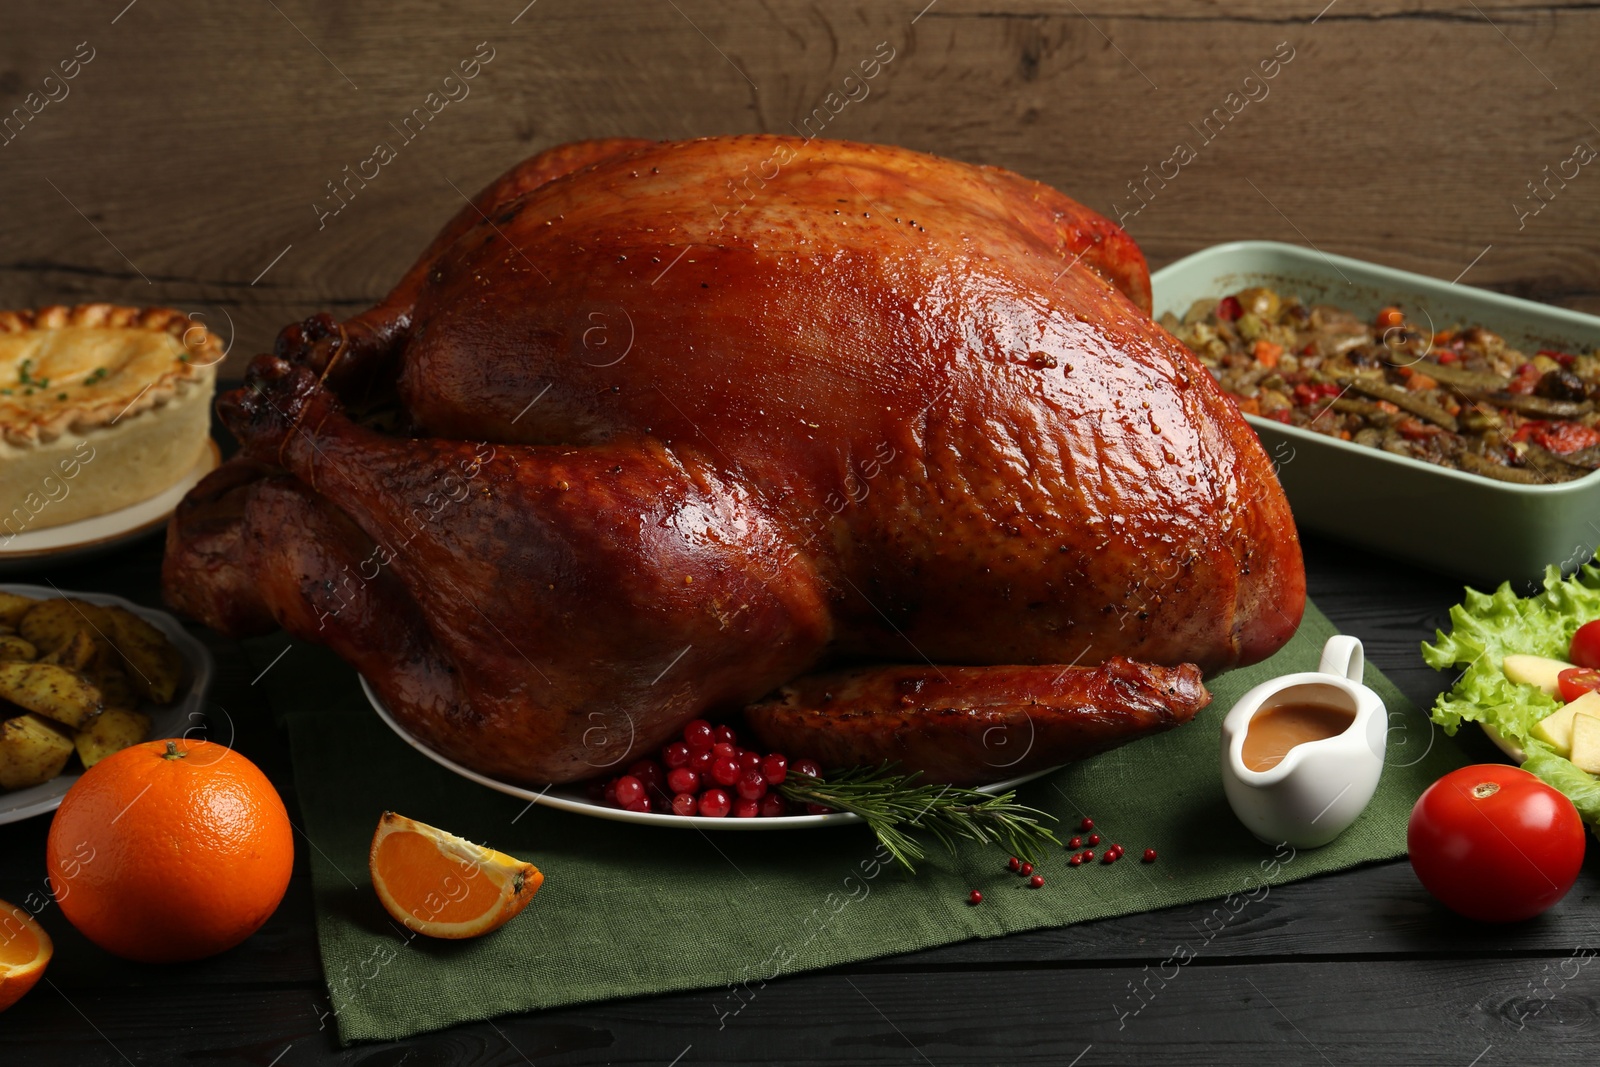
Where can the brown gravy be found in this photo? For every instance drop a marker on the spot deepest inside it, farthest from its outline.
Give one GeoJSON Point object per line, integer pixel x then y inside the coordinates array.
{"type": "Point", "coordinates": [1274, 731]}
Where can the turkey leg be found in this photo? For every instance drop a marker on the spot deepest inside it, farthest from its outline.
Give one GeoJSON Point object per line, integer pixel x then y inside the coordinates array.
{"type": "Point", "coordinates": [589, 600]}
{"type": "Point", "coordinates": [971, 725]}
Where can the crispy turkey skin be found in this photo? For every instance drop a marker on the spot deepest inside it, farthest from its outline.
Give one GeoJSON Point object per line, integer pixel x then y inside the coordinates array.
{"type": "Point", "coordinates": [681, 422]}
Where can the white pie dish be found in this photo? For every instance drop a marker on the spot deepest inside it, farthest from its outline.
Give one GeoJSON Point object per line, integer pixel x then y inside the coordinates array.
{"type": "Point", "coordinates": [75, 541]}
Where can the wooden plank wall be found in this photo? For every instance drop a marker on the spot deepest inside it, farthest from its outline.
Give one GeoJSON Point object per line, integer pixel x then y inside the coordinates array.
{"type": "Point", "coordinates": [185, 160]}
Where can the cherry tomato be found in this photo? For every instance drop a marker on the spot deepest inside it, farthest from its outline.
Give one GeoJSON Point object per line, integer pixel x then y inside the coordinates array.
{"type": "Point", "coordinates": [1494, 843]}
{"type": "Point", "coordinates": [1585, 651]}
{"type": "Point", "coordinates": [1389, 318]}
{"type": "Point", "coordinates": [1576, 681]}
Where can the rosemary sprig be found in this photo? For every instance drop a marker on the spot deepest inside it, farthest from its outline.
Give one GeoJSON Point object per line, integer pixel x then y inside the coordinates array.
{"type": "Point", "coordinates": [894, 805]}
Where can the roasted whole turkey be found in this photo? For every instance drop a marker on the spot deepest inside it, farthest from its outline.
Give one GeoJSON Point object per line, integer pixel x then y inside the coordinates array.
{"type": "Point", "coordinates": [656, 430]}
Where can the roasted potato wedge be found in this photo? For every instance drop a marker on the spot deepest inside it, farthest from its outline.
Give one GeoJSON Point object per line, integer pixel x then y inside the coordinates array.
{"type": "Point", "coordinates": [13, 647]}
{"type": "Point", "coordinates": [14, 607]}
{"type": "Point", "coordinates": [113, 730]}
{"type": "Point", "coordinates": [154, 665]}
{"type": "Point", "coordinates": [113, 685]}
{"type": "Point", "coordinates": [77, 654]}
{"type": "Point", "coordinates": [50, 624]}
{"type": "Point", "coordinates": [32, 751]}
{"type": "Point", "coordinates": [50, 690]}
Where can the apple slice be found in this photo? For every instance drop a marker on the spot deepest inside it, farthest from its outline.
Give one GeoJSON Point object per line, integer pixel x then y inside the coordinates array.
{"type": "Point", "coordinates": [1539, 671]}
{"type": "Point", "coordinates": [1586, 743]}
{"type": "Point", "coordinates": [1555, 729]}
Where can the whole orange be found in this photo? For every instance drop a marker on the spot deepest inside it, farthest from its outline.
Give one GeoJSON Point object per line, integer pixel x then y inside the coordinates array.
{"type": "Point", "coordinates": [170, 850]}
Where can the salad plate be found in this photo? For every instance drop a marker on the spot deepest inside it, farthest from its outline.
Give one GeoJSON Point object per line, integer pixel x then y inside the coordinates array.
{"type": "Point", "coordinates": [573, 798]}
{"type": "Point", "coordinates": [177, 719]}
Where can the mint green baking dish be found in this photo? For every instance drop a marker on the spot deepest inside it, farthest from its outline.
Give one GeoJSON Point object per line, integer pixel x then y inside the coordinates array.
{"type": "Point", "coordinates": [1463, 524]}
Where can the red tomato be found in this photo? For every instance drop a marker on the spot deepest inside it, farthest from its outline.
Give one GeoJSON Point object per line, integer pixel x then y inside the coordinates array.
{"type": "Point", "coordinates": [1585, 651]}
{"type": "Point", "coordinates": [1564, 437]}
{"type": "Point", "coordinates": [1576, 681]}
{"type": "Point", "coordinates": [1495, 843]}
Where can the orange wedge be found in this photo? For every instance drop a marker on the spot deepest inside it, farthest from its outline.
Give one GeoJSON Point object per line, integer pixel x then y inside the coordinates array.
{"type": "Point", "coordinates": [25, 951]}
{"type": "Point", "coordinates": [442, 885]}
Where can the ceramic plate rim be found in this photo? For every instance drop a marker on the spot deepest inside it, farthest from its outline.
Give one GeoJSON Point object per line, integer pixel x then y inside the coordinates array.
{"type": "Point", "coordinates": [676, 822]}
{"type": "Point", "coordinates": [165, 722]}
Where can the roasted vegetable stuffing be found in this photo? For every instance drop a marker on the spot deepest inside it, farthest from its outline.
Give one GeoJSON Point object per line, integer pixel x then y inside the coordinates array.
{"type": "Point", "coordinates": [1459, 397]}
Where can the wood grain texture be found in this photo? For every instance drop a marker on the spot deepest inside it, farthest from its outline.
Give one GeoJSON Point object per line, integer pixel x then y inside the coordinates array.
{"type": "Point", "coordinates": [1209, 1012]}
{"type": "Point", "coordinates": [200, 137]}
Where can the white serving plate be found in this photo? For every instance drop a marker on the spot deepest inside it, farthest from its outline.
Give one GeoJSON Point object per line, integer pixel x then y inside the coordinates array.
{"type": "Point", "coordinates": [573, 799]}
{"type": "Point", "coordinates": [73, 541]}
{"type": "Point", "coordinates": [177, 719]}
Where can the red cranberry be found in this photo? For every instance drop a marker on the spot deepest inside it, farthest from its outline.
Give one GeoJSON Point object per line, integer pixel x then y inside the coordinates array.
{"type": "Point", "coordinates": [1014, 864]}
{"type": "Point", "coordinates": [629, 790]}
{"type": "Point", "coordinates": [974, 897]}
{"type": "Point", "coordinates": [746, 809]}
{"type": "Point", "coordinates": [1109, 857]}
{"type": "Point", "coordinates": [1116, 848]}
{"type": "Point", "coordinates": [725, 750]}
{"type": "Point", "coordinates": [807, 767]}
{"type": "Point", "coordinates": [1087, 856]}
{"type": "Point", "coordinates": [609, 794]}
{"type": "Point", "coordinates": [642, 806]}
{"type": "Point", "coordinates": [1086, 825]}
{"type": "Point", "coordinates": [1036, 881]}
{"type": "Point", "coordinates": [1094, 839]}
{"type": "Point", "coordinates": [749, 761]}
{"type": "Point", "coordinates": [683, 780]}
{"type": "Point", "coordinates": [647, 771]}
{"type": "Point", "coordinates": [1075, 843]}
{"type": "Point", "coordinates": [676, 755]}
{"type": "Point", "coordinates": [698, 736]}
{"type": "Point", "coordinates": [726, 736]}
{"type": "Point", "coordinates": [724, 771]}
{"type": "Point", "coordinates": [1075, 861]}
{"type": "Point", "coordinates": [1027, 869]}
{"type": "Point", "coordinates": [772, 806]}
{"type": "Point", "coordinates": [685, 804]}
{"type": "Point", "coordinates": [714, 803]}
{"type": "Point", "coordinates": [775, 768]}
{"type": "Point", "coordinates": [818, 809]}
{"type": "Point", "coordinates": [700, 761]}
{"type": "Point", "coordinates": [1149, 855]}
{"type": "Point", "coordinates": [751, 785]}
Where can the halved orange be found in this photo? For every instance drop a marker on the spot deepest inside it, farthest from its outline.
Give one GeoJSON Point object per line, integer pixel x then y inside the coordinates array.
{"type": "Point", "coordinates": [25, 951]}
{"type": "Point", "coordinates": [442, 885]}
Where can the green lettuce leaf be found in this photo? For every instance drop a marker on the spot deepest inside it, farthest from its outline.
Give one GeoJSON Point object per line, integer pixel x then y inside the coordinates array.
{"type": "Point", "coordinates": [1580, 787]}
{"type": "Point", "coordinates": [1485, 629]}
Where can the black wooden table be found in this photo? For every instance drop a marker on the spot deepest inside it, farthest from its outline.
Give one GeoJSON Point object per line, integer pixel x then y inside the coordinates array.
{"type": "Point", "coordinates": [1358, 967]}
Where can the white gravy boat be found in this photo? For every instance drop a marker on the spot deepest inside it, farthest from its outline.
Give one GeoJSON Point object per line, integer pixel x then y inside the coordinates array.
{"type": "Point", "coordinates": [1319, 787]}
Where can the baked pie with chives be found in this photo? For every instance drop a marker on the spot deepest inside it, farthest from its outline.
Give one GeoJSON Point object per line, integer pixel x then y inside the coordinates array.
{"type": "Point", "coordinates": [100, 407]}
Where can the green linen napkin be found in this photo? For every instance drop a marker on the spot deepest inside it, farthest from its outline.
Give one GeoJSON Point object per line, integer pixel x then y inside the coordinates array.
{"type": "Point", "coordinates": [628, 910]}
